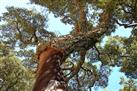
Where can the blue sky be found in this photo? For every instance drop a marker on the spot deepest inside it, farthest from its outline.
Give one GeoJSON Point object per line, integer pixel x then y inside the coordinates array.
{"type": "Point", "coordinates": [60, 28]}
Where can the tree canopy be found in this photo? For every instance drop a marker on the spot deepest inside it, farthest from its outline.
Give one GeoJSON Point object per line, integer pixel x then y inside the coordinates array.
{"type": "Point", "coordinates": [92, 20]}
{"type": "Point", "coordinates": [14, 75]}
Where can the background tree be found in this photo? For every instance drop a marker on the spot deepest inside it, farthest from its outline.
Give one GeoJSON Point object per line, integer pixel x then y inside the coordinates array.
{"type": "Point", "coordinates": [13, 75]}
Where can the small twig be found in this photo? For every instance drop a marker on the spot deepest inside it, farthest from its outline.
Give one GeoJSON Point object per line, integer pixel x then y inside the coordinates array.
{"type": "Point", "coordinates": [97, 52]}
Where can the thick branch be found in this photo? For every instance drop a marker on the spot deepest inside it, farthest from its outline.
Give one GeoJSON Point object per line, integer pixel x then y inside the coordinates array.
{"type": "Point", "coordinates": [83, 41]}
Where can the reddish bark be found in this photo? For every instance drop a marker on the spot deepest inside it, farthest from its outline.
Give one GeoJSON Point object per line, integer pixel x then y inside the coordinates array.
{"type": "Point", "coordinates": [49, 73]}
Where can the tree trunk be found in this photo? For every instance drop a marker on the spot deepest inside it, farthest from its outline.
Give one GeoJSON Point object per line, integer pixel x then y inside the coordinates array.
{"type": "Point", "coordinates": [49, 74]}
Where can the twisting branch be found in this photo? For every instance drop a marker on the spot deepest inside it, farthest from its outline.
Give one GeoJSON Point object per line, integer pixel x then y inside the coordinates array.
{"type": "Point", "coordinates": [76, 69]}
{"type": "Point", "coordinates": [98, 52]}
{"type": "Point", "coordinates": [126, 25]}
{"type": "Point", "coordinates": [77, 79]}
{"type": "Point", "coordinates": [78, 66]}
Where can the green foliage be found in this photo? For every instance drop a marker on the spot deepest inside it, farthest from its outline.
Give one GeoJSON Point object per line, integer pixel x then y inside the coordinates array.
{"type": "Point", "coordinates": [113, 50]}
{"type": "Point", "coordinates": [119, 51]}
{"type": "Point", "coordinates": [14, 76]}
{"type": "Point", "coordinates": [24, 26]}
{"type": "Point", "coordinates": [128, 85]}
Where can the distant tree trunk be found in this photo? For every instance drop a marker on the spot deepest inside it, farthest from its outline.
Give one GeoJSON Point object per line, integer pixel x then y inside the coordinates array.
{"type": "Point", "coordinates": [49, 74]}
